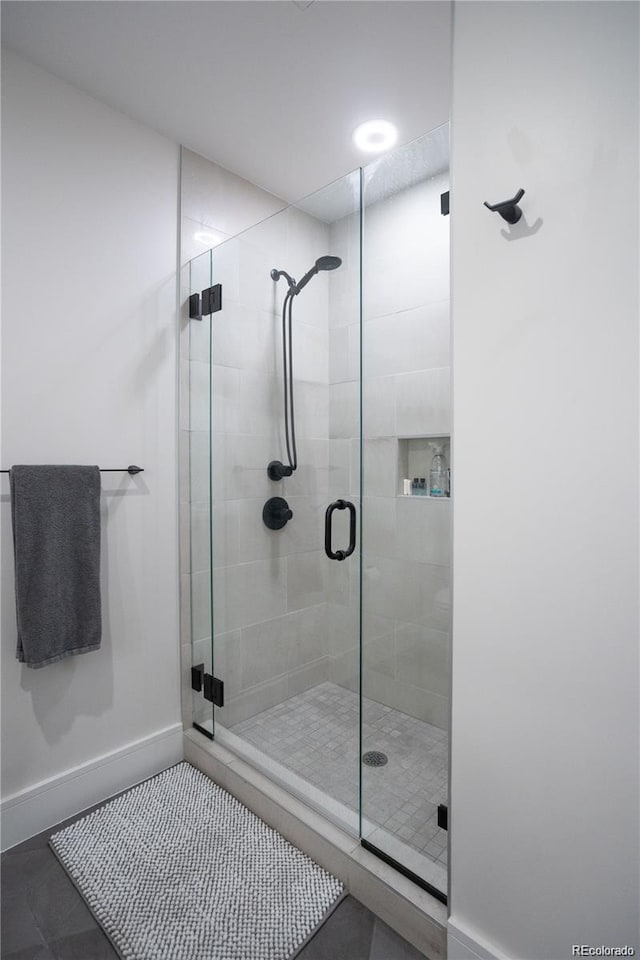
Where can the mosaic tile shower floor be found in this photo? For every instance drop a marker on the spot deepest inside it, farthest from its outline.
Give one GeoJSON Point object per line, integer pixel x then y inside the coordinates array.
{"type": "Point", "coordinates": [315, 735]}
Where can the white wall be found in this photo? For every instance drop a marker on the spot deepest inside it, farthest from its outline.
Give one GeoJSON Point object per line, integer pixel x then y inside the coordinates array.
{"type": "Point", "coordinates": [217, 204]}
{"type": "Point", "coordinates": [89, 359]}
{"type": "Point", "coordinates": [544, 791]}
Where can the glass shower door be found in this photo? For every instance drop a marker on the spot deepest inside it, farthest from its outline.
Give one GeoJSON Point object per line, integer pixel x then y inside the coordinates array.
{"type": "Point", "coordinates": [284, 615]}
{"type": "Point", "coordinates": [406, 532]}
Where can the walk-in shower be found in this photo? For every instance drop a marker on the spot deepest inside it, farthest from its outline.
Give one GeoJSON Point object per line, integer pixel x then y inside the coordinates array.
{"type": "Point", "coordinates": [320, 670]}
{"type": "Point", "coordinates": [277, 469]}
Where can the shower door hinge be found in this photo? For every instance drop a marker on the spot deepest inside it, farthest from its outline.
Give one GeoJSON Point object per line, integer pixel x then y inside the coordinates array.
{"type": "Point", "coordinates": [213, 688]}
{"type": "Point", "coordinates": [194, 307]}
{"type": "Point", "coordinates": [205, 303]}
{"type": "Point", "coordinates": [212, 299]}
{"type": "Point", "coordinates": [443, 816]}
{"type": "Point", "coordinates": [444, 204]}
{"type": "Point", "coordinates": [197, 677]}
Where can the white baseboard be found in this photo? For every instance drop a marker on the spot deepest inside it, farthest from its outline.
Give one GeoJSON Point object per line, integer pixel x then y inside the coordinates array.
{"type": "Point", "coordinates": [464, 944]}
{"type": "Point", "coordinates": [30, 811]}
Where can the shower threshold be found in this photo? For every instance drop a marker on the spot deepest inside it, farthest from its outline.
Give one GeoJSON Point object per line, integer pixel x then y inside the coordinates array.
{"type": "Point", "coordinates": [317, 732]}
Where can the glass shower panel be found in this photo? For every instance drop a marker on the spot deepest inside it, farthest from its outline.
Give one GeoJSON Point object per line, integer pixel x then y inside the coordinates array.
{"type": "Point", "coordinates": [406, 532]}
{"type": "Point", "coordinates": [285, 616]}
{"type": "Point", "coordinates": [199, 380]}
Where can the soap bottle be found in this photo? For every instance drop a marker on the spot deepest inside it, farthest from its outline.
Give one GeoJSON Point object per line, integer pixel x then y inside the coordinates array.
{"type": "Point", "coordinates": [438, 473]}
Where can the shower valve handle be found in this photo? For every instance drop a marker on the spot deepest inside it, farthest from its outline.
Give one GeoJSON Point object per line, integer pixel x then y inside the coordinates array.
{"type": "Point", "coordinates": [276, 513]}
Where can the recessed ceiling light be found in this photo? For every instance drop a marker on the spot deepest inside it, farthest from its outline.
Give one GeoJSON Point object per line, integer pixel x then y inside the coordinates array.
{"type": "Point", "coordinates": [208, 238]}
{"type": "Point", "coordinates": [374, 136]}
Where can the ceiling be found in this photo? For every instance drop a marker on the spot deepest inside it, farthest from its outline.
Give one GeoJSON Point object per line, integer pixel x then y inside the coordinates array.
{"type": "Point", "coordinates": [385, 176]}
{"type": "Point", "coordinates": [270, 89]}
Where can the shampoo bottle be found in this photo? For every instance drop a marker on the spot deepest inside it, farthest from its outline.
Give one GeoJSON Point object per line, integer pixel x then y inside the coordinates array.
{"type": "Point", "coordinates": [438, 473]}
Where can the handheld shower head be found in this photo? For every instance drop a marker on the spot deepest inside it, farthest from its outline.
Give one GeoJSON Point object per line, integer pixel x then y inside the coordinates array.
{"type": "Point", "coordinates": [322, 263]}
{"type": "Point", "coordinates": [328, 263]}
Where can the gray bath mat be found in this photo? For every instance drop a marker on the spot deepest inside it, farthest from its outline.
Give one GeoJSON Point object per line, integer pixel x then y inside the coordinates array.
{"type": "Point", "coordinates": [178, 869]}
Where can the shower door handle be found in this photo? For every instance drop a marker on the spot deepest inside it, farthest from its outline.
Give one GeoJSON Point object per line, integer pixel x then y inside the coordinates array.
{"type": "Point", "coordinates": [328, 518]}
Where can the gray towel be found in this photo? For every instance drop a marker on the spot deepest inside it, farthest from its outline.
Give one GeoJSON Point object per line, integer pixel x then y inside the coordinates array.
{"type": "Point", "coordinates": [56, 537]}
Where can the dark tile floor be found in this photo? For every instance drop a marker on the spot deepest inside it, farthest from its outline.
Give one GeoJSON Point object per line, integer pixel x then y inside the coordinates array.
{"type": "Point", "coordinates": [44, 917]}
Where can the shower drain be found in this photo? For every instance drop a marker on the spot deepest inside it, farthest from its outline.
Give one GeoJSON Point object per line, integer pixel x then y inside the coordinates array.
{"type": "Point", "coordinates": [374, 758]}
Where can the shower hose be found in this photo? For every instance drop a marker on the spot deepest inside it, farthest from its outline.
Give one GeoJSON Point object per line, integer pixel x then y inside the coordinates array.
{"type": "Point", "coordinates": [287, 367]}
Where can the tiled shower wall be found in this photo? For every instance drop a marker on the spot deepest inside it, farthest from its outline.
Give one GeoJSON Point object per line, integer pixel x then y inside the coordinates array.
{"type": "Point", "coordinates": [406, 376]}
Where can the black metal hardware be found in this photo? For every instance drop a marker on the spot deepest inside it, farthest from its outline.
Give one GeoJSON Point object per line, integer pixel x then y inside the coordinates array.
{"type": "Point", "coordinates": [197, 677]}
{"type": "Point", "coordinates": [212, 299]}
{"type": "Point", "coordinates": [203, 305]}
{"type": "Point", "coordinates": [131, 469]}
{"type": "Point", "coordinates": [328, 518]}
{"type": "Point", "coordinates": [276, 513]}
{"type": "Point", "coordinates": [444, 204]}
{"type": "Point", "coordinates": [443, 816]}
{"type": "Point", "coordinates": [400, 867]}
{"type": "Point", "coordinates": [277, 470]}
{"type": "Point", "coordinates": [195, 313]}
{"type": "Point", "coordinates": [508, 209]}
{"type": "Point", "coordinates": [214, 690]}
{"type": "Point", "coordinates": [203, 730]}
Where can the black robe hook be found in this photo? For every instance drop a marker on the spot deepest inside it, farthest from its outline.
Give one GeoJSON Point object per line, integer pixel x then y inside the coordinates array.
{"type": "Point", "coordinates": [508, 209]}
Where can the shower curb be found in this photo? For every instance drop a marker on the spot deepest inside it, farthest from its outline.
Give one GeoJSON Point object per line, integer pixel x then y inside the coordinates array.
{"type": "Point", "coordinates": [406, 908]}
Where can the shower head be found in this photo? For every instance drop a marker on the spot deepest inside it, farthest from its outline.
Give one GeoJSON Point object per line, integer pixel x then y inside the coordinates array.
{"type": "Point", "coordinates": [322, 263]}
{"type": "Point", "coordinates": [328, 263]}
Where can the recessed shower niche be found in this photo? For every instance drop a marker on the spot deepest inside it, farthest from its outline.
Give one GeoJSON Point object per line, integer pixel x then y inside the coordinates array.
{"type": "Point", "coordinates": [326, 656]}
{"type": "Point", "coordinates": [415, 459]}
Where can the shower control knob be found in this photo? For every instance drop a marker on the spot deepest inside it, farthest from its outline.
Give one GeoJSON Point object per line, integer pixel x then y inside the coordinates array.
{"type": "Point", "coordinates": [276, 513]}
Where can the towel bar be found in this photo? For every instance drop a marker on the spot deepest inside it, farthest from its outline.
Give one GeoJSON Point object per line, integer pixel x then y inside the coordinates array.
{"type": "Point", "coordinates": [131, 469]}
